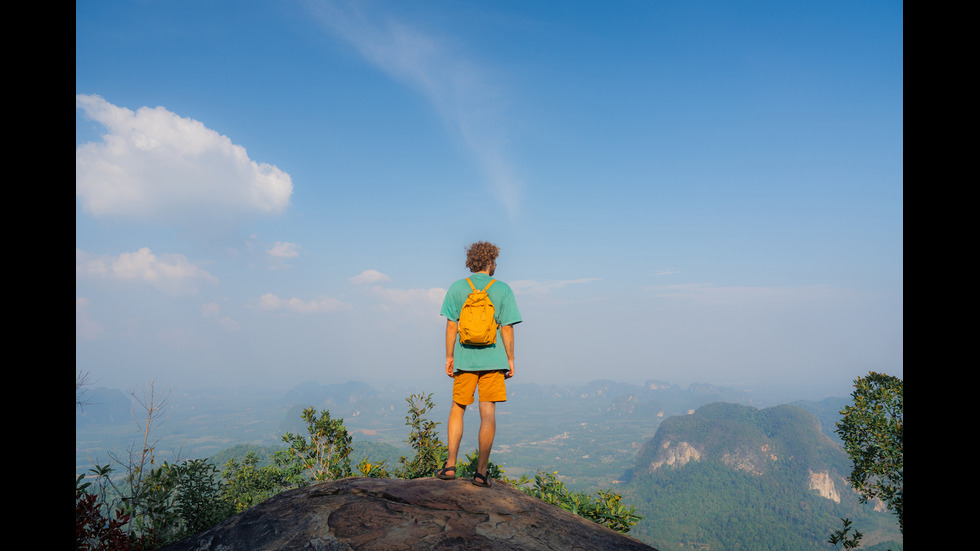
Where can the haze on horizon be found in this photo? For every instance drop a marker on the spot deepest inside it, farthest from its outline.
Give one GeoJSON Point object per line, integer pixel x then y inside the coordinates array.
{"type": "Point", "coordinates": [695, 192]}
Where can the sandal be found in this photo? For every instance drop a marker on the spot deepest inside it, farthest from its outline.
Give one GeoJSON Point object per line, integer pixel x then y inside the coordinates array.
{"type": "Point", "coordinates": [443, 473]}
{"type": "Point", "coordinates": [485, 483]}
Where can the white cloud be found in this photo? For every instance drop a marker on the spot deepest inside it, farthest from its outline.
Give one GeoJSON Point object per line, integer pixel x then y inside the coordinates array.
{"type": "Point", "coordinates": [171, 273]}
{"type": "Point", "coordinates": [155, 165]}
{"type": "Point", "coordinates": [410, 302]}
{"type": "Point", "coordinates": [369, 276]}
{"type": "Point", "coordinates": [284, 250]}
{"type": "Point", "coordinates": [463, 92]}
{"type": "Point", "coordinates": [270, 301]}
{"type": "Point", "coordinates": [85, 326]}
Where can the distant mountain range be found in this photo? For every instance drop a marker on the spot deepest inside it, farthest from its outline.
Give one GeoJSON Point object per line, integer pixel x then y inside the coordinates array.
{"type": "Point", "coordinates": [709, 467]}
{"type": "Point", "coordinates": [596, 428]}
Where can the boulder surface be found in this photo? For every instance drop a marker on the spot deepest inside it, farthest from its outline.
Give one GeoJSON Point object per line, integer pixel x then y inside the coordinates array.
{"type": "Point", "coordinates": [381, 514]}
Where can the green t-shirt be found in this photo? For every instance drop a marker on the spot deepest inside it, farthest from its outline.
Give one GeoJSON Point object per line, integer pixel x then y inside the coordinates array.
{"type": "Point", "coordinates": [481, 358]}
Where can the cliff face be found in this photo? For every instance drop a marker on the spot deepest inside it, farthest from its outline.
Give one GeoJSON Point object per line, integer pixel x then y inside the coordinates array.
{"type": "Point", "coordinates": [374, 514]}
{"type": "Point", "coordinates": [743, 438]}
{"type": "Point", "coordinates": [753, 441]}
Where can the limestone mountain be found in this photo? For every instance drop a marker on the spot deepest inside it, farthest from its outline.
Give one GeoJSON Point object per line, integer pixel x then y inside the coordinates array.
{"type": "Point", "coordinates": [425, 514]}
{"type": "Point", "coordinates": [731, 476]}
{"type": "Point", "coordinates": [759, 442]}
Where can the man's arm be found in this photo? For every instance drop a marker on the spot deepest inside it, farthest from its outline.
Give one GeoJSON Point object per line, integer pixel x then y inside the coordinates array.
{"type": "Point", "coordinates": [451, 331]}
{"type": "Point", "coordinates": [507, 333]}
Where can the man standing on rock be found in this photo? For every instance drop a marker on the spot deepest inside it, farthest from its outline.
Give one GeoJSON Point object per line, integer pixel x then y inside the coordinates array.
{"type": "Point", "coordinates": [475, 362]}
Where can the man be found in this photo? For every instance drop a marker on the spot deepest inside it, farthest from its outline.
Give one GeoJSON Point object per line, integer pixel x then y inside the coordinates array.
{"type": "Point", "coordinates": [475, 367]}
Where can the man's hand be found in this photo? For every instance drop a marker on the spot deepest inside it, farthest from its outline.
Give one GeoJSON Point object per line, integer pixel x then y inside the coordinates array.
{"type": "Point", "coordinates": [451, 330]}
{"type": "Point", "coordinates": [507, 334]}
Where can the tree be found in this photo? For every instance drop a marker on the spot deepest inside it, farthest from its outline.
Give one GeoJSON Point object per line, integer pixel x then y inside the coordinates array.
{"type": "Point", "coordinates": [871, 429]}
{"type": "Point", "coordinates": [133, 499]}
{"type": "Point", "coordinates": [845, 538]}
{"type": "Point", "coordinates": [430, 452]}
{"type": "Point", "coordinates": [327, 453]}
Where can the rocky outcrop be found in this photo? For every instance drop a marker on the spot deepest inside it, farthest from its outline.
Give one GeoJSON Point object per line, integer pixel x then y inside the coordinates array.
{"type": "Point", "coordinates": [823, 483]}
{"type": "Point", "coordinates": [377, 514]}
{"type": "Point", "coordinates": [753, 461]}
{"type": "Point", "coordinates": [678, 454]}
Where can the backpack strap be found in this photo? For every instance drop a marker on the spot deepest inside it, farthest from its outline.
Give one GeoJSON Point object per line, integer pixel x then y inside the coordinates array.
{"type": "Point", "coordinates": [492, 281]}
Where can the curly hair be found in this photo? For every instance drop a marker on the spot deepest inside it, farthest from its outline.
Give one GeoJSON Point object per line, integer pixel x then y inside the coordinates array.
{"type": "Point", "coordinates": [479, 255]}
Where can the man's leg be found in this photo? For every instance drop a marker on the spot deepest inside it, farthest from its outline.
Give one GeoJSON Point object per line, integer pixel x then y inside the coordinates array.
{"type": "Point", "coordinates": [488, 426]}
{"type": "Point", "coordinates": [454, 429]}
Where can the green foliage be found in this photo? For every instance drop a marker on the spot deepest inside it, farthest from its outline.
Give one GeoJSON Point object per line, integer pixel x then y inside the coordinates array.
{"type": "Point", "coordinates": [844, 537]}
{"type": "Point", "coordinates": [173, 501]}
{"type": "Point", "coordinates": [246, 484]}
{"type": "Point", "coordinates": [603, 507]}
{"type": "Point", "coordinates": [749, 487]}
{"type": "Point", "coordinates": [184, 498]}
{"type": "Point", "coordinates": [326, 455]}
{"type": "Point", "coordinates": [157, 505]}
{"type": "Point", "coordinates": [468, 468]}
{"type": "Point", "coordinates": [376, 469]}
{"type": "Point", "coordinates": [872, 431]}
{"type": "Point", "coordinates": [151, 505]}
{"type": "Point", "coordinates": [264, 454]}
{"type": "Point", "coordinates": [430, 452]}
{"type": "Point", "coordinates": [707, 503]}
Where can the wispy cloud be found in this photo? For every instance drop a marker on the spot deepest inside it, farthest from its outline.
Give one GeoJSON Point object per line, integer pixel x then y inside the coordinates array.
{"type": "Point", "coordinates": [369, 276]}
{"type": "Point", "coordinates": [154, 165]}
{"type": "Point", "coordinates": [270, 301]}
{"type": "Point", "coordinates": [284, 250]}
{"type": "Point", "coordinates": [170, 273]}
{"type": "Point", "coordinates": [463, 92]}
{"type": "Point", "coordinates": [280, 253]}
{"type": "Point", "coordinates": [409, 297]}
{"type": "Point", "coordinates": [408, 303]}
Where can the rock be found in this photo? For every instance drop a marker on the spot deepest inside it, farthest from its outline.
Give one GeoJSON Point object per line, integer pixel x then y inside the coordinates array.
{"type": "Point", "coordinates": [380, 514]}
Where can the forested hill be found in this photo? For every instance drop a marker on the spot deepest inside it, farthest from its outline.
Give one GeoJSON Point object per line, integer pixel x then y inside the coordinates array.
{"type": "Point", "coordinates": [758, 441]}
{"type": "Point", "coordinates": [730, 476]}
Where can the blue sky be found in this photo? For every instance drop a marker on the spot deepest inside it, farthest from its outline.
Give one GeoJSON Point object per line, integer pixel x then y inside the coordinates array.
{"type": "Point", "coordinates": [273, 192]}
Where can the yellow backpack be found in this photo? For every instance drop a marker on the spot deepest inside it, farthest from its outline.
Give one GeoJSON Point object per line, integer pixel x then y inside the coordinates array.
{"type": "Point", "coordinates": [477, 326]}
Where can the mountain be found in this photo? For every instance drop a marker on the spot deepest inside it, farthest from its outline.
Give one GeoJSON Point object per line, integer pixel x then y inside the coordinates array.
{"type": "Point", "coordinates": [590, 432]}
{"type": "Point", "coordinates": [702, 463]}
{"type": "Point", "coordinates": [730, 476]}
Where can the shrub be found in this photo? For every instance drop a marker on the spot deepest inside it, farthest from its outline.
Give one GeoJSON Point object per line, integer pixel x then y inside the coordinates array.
{"type": "Point", "coordinates": [603, 507]}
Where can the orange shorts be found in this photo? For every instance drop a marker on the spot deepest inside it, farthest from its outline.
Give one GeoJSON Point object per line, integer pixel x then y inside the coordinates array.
{"type": "Point", "coordinates": [490, 383]}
